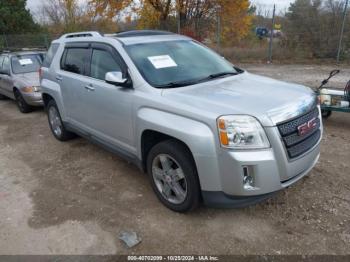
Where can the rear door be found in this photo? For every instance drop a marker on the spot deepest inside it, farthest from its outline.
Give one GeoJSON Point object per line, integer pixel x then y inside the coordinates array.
{"type": "Point", "coordinates": [73, 80]}
{"type": "Point", "coordinates": [1, 75]}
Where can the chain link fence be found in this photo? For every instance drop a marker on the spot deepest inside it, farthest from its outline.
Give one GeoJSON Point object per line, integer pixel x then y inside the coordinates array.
{"type": "Point", "coordinates": [306, 36]}
{"type": "Point", "coordinates": [302, 41]}
{"type": "Point", "coordinates": [11, 42]}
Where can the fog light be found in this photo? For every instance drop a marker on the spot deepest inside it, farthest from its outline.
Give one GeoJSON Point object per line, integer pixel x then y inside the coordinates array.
{"type": "Point", "coordinates": [248, 177]}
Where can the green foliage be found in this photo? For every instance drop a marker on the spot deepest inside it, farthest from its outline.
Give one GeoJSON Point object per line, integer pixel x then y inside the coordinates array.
{"type": "Point", "coordinates": [313, 26]}
{"type": "Point", "coordinates": [15, 18]}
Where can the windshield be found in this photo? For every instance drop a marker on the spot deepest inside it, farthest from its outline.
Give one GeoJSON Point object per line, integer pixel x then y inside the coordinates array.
{"type": "Point", "coordinates": [178, 63]}
{"type": "Point", "coordinates": [26, 63]}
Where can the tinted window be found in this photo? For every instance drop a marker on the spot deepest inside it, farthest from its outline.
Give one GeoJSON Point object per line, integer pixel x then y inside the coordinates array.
{"type": "Point", "coordinates": [26, 63]}
{"type": "Point", "coordinates": [50, 55]}
{"type": "Point", "coordinates": [75, 59]}
{"type": "Point", "coordinates": [1, 60]}
{"type": "Point", "coordinates": [102, 62]}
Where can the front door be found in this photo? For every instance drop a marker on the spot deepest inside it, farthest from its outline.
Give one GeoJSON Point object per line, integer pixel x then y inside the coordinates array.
{"type": "Point", "coordinates": [109, 107]}
{"type": "Point", "coordinates": [6, 84]}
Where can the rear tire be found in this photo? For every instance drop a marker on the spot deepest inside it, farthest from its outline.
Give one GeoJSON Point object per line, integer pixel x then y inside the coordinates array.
{"type": "Point", "coordinates": [2, 97]}
{"type": "Point", "coordinates": [173, 176]}
{"type": "Point", "coordinates": [21, 103]}
{"type": "Point", "coordinates": [56, 124]}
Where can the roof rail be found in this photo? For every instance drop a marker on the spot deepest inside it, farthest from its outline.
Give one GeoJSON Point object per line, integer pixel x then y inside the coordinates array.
{"type": "Point", "coordinates": [142, 33]}
{"type": "Point", "coordinates": [81, 34]}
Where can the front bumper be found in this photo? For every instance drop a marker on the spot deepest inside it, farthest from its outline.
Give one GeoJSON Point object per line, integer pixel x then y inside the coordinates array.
{"type": "Point", "coordinates": [268, 183]}
{"type": "Point", "coordinates": [33, 99]}
{"type": "Point", "coordinates": [271, 169]}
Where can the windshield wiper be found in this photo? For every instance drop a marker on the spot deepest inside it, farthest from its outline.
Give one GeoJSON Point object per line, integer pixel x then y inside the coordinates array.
{"type": "Point", "coordinates": [177, 84]}
{"type": "Point", "coordinates": [193, 82]}
{"type": "Point", "coordinates": [222, 74]}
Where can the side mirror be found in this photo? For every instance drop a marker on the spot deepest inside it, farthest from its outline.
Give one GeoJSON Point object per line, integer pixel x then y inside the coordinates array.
{"type": "Point", "coordinates": [116, 78]}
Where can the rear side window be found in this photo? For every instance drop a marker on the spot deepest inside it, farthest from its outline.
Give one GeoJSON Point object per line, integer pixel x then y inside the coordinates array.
{"type": "Point", "coordinates": [50, 55]}
{"type": "Point", "coordinates": [6, 64]}
{"type": "Point", "coordinates": [102, 62]}
{"type": "Point", "coordinates": [74, 60]}
{"type": "Point", "coordinates": [1, 60]}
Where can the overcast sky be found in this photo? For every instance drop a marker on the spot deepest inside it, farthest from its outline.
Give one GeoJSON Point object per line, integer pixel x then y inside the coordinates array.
{"type": "Point", "coordinates": [281, 4]}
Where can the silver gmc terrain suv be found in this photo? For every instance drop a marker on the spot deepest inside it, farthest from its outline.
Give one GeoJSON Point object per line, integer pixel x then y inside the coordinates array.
{"type": "Point", "coordinates": [202, 129]}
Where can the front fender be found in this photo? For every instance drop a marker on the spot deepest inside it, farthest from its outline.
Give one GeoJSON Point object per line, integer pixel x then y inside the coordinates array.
{"type": "Point", "coordinates": [199, 138]}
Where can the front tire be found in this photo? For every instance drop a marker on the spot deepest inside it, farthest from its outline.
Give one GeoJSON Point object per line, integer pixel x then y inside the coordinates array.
{"type": "Point", "coordinates": [56, 123]}
{"type": "Point", "coordinates": [21, 103]}
{"type": "Point", "coordinates": [173, 176]}
{"type": "Point", "coordinates": [2, 97]}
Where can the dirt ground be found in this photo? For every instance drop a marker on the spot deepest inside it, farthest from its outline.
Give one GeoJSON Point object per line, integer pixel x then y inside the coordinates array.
{"type": "Point", "coordinates": [75, 198]}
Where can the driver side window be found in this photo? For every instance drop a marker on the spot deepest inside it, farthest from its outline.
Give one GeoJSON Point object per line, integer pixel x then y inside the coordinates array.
{"type": "Point", "coordinates": [102, 62]}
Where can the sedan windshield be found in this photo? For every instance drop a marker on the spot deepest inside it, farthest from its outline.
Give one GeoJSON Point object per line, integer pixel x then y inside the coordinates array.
{"type": "Point", "coordinates": [22, 64]}
{"type": "Point", "coordinates": [178, 63]}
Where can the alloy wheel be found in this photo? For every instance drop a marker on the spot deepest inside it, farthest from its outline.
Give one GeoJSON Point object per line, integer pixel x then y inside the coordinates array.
{"type": "Point", "coordinates": [55, 121]}
{"type": "Point", "coordinates": [169, 178]}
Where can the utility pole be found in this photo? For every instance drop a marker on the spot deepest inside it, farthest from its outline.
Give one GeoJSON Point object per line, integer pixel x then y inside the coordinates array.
{"type": "Point", "coordinates": [178, 21]}
{"type": "Point", "coordinates": [218, 33]}
{"type": "Point", "coordinates": [5, 40]}
{"type": "Point", "coordinates": [342, 30]}
{"type": "Point", "coordinates": [271, 33]}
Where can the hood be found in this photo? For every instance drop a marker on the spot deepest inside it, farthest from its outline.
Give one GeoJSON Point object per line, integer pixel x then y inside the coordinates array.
{"type": "Point", "coordinates": [271, 101]}
{"type": "Point", "coordinates": [27, 79]}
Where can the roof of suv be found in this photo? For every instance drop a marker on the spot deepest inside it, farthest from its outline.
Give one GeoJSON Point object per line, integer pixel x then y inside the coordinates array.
{"type": "Point", "coordinates": [127, 37]}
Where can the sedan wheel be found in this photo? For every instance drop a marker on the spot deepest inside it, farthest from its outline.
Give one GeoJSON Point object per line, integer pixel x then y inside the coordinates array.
{"type": "Point", "coordinates": [21, 103]}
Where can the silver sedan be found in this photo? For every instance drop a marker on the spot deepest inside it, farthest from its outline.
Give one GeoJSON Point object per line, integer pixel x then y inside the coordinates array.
{"type": "Point", "coordinates": [19, 78]}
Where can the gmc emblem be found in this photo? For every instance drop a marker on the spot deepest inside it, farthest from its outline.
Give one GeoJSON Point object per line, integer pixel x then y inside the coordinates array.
{"type": "Point", "coordinates": [307, 127]}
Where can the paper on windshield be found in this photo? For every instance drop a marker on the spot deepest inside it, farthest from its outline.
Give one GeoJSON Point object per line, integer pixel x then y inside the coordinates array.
{"type": "Point", "coordinates": [26, 61]}
{"type": "Point", "coordinates": [162, 61]}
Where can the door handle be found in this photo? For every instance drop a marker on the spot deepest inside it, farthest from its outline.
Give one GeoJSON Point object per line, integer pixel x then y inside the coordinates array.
{"type": "Point", "coordinates": [59, 78]}
{"type": "Point", "coordinates": [89, 88]}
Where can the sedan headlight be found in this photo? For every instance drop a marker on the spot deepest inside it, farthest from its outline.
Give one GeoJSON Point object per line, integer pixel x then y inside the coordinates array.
{"type": "Point", "coordinates": [241, 132]}
{"type": "Point", "coordinates": [30, 89]}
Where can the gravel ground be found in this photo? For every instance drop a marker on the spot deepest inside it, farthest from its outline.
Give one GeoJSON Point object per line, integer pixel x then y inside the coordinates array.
{"type": "Point", "coordinates": [75, 198]}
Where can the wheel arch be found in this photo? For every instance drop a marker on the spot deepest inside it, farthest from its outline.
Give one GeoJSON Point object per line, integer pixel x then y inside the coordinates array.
{"type": "Point", "coordinates": [47, 98]}
{"type": "Point", "coordinates": [195, 135]}
{"type": "Point", "coordinates": [150, 138]}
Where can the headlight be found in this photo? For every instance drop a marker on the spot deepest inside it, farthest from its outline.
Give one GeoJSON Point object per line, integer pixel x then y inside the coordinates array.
{"type": "Point", "coordinates": [241, 132]}
{"type": "Point", "coordinates": [30, 89]}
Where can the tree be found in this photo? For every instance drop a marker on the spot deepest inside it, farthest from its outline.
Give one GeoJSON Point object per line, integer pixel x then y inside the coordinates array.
{"type": "Point", "coordinates": [313, 27]}
{"type": "Point", "coordinates": [15, 18]}
{"type": "Point", "coordinates": [198, 18]}
{"type": "Point", "coordinates": [109, 8]}
{"type": "Point", "coordinates": [62, 16]}
{"type": "Point", "coordinates": [236, 18]}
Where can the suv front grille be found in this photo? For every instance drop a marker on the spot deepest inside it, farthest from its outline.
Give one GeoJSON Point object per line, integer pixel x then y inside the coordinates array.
{"type": "Point", "coordinates": [297, 142]}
